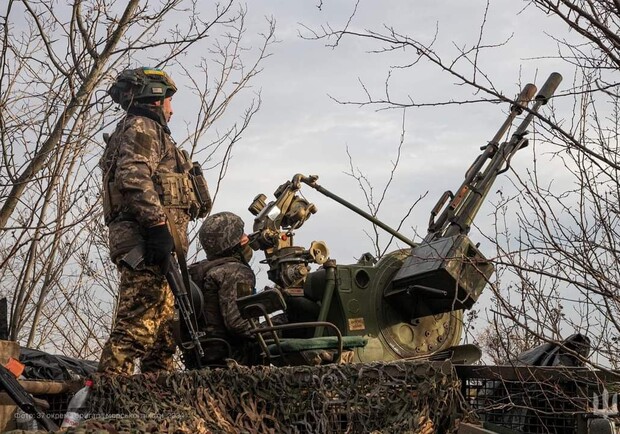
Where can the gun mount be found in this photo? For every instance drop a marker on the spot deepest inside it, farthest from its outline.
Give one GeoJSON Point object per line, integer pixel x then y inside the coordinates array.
{"type": "Point", "coordinates": [273, 234]}
{"type": "Point", "coordinates": [410, 302]}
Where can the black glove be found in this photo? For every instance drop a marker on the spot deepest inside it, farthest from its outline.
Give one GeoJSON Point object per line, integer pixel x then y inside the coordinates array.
{"type": "Point", "coordinates": [158, 247]}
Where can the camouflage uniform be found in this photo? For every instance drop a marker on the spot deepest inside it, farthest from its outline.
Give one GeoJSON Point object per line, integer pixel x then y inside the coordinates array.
{"type": "Point", "coordinates": [143, 325]}
{"type": "Point", "coordinates": [223, 277]}
{"type": "Point", "coordinates": [139, 147]}
{"type": "Point", "coordinates": [222, 281]}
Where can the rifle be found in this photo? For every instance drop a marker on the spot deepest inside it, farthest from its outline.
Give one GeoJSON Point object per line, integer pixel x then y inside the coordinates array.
{"type": "Point", "coordinates": [446, 271]}
{"type": "Point", "coordinates": [185, 306]}
{"type": "Point", "coordinates": [24, 400]}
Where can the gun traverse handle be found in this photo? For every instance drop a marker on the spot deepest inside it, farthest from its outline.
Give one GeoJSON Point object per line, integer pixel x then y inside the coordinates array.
{"type": "Point", "coordinates": [549, 88]}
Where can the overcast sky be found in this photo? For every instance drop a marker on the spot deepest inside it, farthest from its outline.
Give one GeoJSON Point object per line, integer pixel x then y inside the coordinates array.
{"type": "Point", "coordinates": [300, 129]}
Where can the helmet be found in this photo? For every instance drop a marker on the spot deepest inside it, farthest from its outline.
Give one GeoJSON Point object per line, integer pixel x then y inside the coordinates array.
{"type": "Point", "coordinates": [134, 85]}
{"type": "Point", "coordinates": [220, 232]}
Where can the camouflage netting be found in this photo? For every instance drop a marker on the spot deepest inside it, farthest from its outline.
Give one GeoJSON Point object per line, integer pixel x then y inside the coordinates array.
{"type": "Point", "coordinates": [396, 397]}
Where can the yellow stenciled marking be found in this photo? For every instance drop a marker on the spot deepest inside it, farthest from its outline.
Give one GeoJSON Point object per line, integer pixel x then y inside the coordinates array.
{"type": "Point", "coordinates": [154, 72]}
{"type": "Point", "coordinates": [161, 73]}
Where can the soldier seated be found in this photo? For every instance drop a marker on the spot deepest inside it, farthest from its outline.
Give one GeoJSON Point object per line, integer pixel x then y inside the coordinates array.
{"type": "Point", "coordinates": [223, 277]}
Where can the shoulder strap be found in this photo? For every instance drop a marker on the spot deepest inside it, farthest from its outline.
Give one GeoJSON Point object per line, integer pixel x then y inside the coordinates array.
{"type": "Point", "coordinates": [219, 261]}
{"type": "Point", "coordinates": [199, 270]}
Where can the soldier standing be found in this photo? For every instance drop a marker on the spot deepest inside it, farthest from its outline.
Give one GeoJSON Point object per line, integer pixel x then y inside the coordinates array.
{"type": "Point", "coordinates": [149, 198]}
{"type": "Point", "coordinates": [223, 277]}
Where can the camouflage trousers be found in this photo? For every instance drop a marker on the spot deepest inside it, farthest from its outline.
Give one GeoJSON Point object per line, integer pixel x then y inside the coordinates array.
{"type": "Point", "coordinates": [142, 327]}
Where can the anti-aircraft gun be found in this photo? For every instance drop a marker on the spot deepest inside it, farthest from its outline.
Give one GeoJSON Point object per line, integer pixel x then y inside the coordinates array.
{"type": "Point", "coordinates": [410, 302]}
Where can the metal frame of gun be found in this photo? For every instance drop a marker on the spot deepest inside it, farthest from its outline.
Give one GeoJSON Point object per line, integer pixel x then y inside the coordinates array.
{"type": "Point", "coordinates": [446, 271]}
{"type": "Point", "coordinates": [458, 215]}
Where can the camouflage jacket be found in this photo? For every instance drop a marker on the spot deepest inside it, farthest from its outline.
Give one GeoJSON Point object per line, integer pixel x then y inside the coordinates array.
{"type": "Point", "coordinates": [139, 147]}
{"type": "Point", "coordinates": [222, 281]}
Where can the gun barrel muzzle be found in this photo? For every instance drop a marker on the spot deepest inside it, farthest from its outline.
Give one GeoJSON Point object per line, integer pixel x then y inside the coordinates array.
{"type": "Point", "coordinates": [524, 98]}
{"type": "Point", "coordinates": [549, 87]}
{"type": "Point", "coordinates": [527, 93]}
